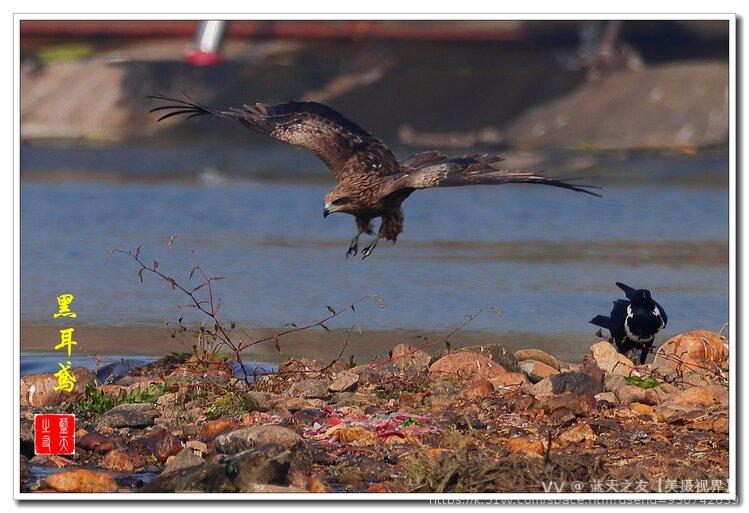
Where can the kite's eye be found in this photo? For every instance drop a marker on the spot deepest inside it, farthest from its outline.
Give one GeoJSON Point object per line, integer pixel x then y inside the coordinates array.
{"type": "Point", "coordinates": [340, 201]}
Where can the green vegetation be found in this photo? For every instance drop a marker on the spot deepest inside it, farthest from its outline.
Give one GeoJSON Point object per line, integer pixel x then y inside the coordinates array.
{"type": "Point", "coordinates": [648, 382]}
{"type": "Point", "coordinates": [231, 404]}
{"type": "Point", "coordinates": [95, 402]}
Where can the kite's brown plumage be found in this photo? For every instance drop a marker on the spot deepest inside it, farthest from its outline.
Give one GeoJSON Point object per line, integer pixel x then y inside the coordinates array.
{"type": "Point", "coordinates": [371, 181]}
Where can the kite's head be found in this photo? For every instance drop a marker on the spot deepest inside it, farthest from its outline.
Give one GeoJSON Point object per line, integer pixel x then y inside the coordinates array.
{"type": "Point", "coordinates": [337, 200]}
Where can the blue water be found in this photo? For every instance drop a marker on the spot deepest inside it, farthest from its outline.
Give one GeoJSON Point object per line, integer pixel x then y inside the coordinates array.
{"type": "Point", "coordinates": [547, 257]}
{"type": "Point", "coordinates": [111, 368]}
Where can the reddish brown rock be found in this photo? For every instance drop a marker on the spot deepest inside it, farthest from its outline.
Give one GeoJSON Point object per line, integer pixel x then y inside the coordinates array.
{"type": "Point", "coordinates": [605, 356]}
{"type": "Point", "coordinates": [635, 394]}
{"type": "Point", "coordinates": [98, 443]}
{"type": "Point", "coordinates": [524, 445]}
{"type": "Point", "coordinates": [536, 371]}
{"type": "Point", "coordinates": [213, 428]}
{"type": "Point", "coordinates": [698, 351]}
{"type": "Point", "coordinates": [465, 367]}
{"type": "Point", "coordinates": [511, 380]}
{"type": "Point", "coordinates": [477, 389]}
{"type": "Point", "coordinates": [38, 390]}
{"type": "Point", "coordinates": [118, 461]}
{"type": "Point", "coordinates": [81, 481]}
{"type": "Point", "coordinates": [580, 405]}
{"type": "Point", "coordinates": [702, 396]}
{"type": "Point", "coordinates": [539, 356]}
{"type": "Point", "coordinates": [577, 434]}
{"type": "Point", "coordinates": [161, 443]}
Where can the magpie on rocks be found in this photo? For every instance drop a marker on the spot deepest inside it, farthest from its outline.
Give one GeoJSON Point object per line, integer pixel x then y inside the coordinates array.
{"type": "Point", "coordinates": [633, 322]}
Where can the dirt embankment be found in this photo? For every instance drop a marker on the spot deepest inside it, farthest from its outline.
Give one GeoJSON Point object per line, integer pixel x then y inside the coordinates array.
{"type": "Point", "coordinates": [499, 97]}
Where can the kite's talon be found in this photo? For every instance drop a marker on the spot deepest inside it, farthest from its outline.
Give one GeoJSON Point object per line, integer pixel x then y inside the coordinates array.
{"type": "Point", "coordinates": [353, 248]}
{"type": "Point", "coordinates": [369, 248]}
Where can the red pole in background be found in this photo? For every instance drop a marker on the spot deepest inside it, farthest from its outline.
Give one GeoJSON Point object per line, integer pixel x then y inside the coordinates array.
{"type": "Point", "coordinates": [205, 51]}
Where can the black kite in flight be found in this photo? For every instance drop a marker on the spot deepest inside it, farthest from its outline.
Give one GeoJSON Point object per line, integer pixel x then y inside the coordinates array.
{"type": "Point", "coordinates": [371, 181]}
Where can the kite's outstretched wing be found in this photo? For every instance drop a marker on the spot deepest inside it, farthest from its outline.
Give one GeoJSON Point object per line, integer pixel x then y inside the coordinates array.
{"type": "Point", "coordinates": [432, 169]}
{"type": "Point", "coordinates": [345, 147]}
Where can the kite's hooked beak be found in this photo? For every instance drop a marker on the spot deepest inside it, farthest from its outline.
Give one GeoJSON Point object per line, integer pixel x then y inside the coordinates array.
{"type": "Point", "coordinates": [329, 209]}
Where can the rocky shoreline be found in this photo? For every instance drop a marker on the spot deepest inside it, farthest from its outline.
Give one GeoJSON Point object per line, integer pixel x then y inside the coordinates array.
{"type": "Point", "coordinates": [477, 419]}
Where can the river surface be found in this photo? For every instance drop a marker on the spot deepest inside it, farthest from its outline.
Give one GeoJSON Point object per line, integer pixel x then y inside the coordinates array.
{"type": "Point", "coordinates": [547, 258]}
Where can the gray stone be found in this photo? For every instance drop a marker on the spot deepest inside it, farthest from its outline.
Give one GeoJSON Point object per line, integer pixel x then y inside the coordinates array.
{"type": "Point", "coordinates": [578, 383]}
{"type": "Point", "coordinates": [265, 464]}
{"type": "Point", "coordinates": [186, 458]}
{"type": "Point", "coordinates": [443, 388]}
{"type": "Point", "coordinates": [613, 382]}
{"type": "Point", "coordinates": [344, 399]}
{"type": "Point", "coordinates": [248, 438]}
{"type": "Point", "coordinates": [137, 415]}
{"type": "Point", "coordinates": [209, 477]}
{"type": "Point", "coordinates": [309, 389]}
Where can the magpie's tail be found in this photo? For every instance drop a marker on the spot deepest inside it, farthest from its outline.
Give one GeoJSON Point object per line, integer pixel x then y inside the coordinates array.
{"type": "Point", "coordinates": [602, 321]}
{"type": "Point", "coordinates": [628, 291]}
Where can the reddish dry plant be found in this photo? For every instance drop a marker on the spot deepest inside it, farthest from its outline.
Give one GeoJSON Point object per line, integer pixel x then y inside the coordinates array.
{"type": "Point", "coordinates": [218, 336]}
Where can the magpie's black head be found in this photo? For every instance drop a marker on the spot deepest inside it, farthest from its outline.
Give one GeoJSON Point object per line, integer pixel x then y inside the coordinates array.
{"type": "Point", "coordinates": [642, 298]}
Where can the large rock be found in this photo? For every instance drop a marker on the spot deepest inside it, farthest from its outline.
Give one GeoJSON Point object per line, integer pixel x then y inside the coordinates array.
{"type": "Point", "coordinates": [578, 382]}
{"type": "Point", "coordinates": [536, 371]}
{"type": "Point", "coordinates": [577, 434]}
{"type": "Point", "coordinates": [578, 405]}
{"type": "Point", "coordinates": [344, 382]}
{"type": "Point", "coordinates": [464, 367]}
{"type": "Point", "coordinates": [605, 356]}
{"type": "Point", "coordinates": [406, 356]}
{"type": "Point", "coordinates": [265, 464]}
{"type": "Point", "coordinates": [309, 388]}
{"type": "Point", "coordinates": [267, 434]}
{"type": "Point", "coordinates": [80, 481]}
{"type": "Point", "coordinates": [37, 390]}
{"type": "Point", "coordinates": [511, 380]}
{"type": "Point", "coordinates": [697, 351]}
{"type": "Point", "coordinates": [98, 443]}
{"type": "Point", "coordinates": [213, 428]}
{"type": "Point", "coordinates": [138, 415]}
{"type": "Point", "coordinates": [635, 394]}
{"type": "Point", "coordinates": [706, 396]}
{"type": "Point", "coordinates": [160, 443]}
{"type": "Point", "coordinates": [478, 389]}
{"type": "Point", "coordinates": [498, 353]}
{"type": "Point", "coordinates": [186, 458]}
{"type": "Point", "coordinates": [539, 356]}
{"type": "Point", "coordinates": [209, 477]}
{"type": "Point", "coordinates": [117, 461]}
{"type": "Point", "coordinates": [443, 388]}
{"type": "Point", "coordinates": [526, 446]}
